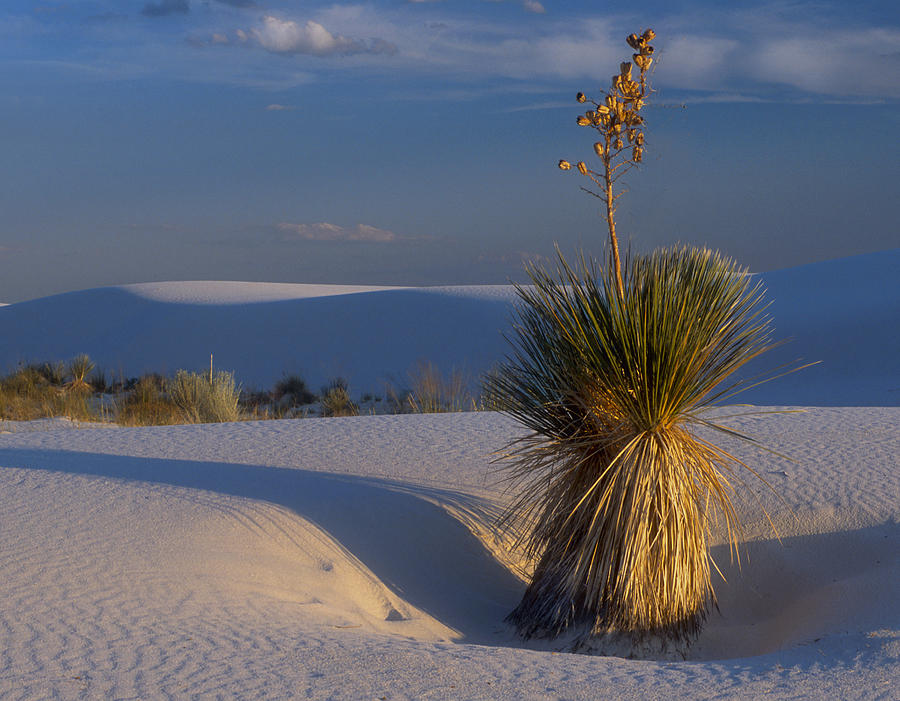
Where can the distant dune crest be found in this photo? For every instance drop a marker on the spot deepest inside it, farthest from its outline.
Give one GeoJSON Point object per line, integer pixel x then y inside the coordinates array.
{"type": "Point", "coordinates": [844, 313]}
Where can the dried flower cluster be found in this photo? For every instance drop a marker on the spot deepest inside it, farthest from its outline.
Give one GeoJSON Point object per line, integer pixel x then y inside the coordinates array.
{"type": "Point", "coordinates": [618, 121]}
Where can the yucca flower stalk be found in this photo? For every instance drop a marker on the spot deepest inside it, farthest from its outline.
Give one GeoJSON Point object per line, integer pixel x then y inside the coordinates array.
{"type": "Point", "coordinates": [618, 491]}
{"type": "Point", "coordinates": [618, 122]}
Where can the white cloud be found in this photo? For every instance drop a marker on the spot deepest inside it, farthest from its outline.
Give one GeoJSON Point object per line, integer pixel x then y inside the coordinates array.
{"type": "Point", "coordinates": [274, 107]}
{"type": "Point", "coordinates": [533, 6]}
{"type": "Point", "coordinates": [287, 36]}
{"type": "Point", "coordinates": [861, 62]}
{"type": "Point", "coordinates": [323, 231]}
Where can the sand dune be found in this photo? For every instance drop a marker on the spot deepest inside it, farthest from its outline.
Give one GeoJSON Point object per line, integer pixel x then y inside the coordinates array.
{"type": "Point", "coordinates": [358, 558]}
{"type": "Point", "coordinates": [371, 335]}
{"type": "Point", "coordinates": [352, 558]}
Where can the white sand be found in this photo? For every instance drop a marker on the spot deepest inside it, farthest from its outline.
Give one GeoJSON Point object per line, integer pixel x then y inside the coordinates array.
{"type": "Point", "coordinates": [356, 558]}
{"type": "Point", "coordinates": [338, 558]}
{"type": "Point", "coordinates": [369, 335]}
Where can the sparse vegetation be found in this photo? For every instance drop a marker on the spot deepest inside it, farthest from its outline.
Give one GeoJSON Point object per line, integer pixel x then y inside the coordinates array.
{"type": "Point", "coordinates": [37, 391]}
{"type": "Point", "coordinates": [336, 400]}
{"type": "Point", "coordinates": [205, 400]}
{"type": "Point", "coordinates": [147, 404]}
{"type": "Point", "coordinates": [50, 389]}
{"type": "Point", "coordinates": [79, 368]}
{"type": "Point", "coordinates": [292, 390]}
{"type": "Point", "coordinates": [433, 393]}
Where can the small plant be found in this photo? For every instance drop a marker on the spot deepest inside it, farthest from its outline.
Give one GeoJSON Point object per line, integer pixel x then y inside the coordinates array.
{"type": "Point", "coordinates": [432, 393]}
{"type": "Point", "coordinates": [146, 403]}
{"type": "Point", "coordinates": [336, 400]}
{"type": "Point", "coordinates": [99, 382]}
{"type": "Point", "coordinates": [79, 368]}
{"type": "Point", "coordinates": [54, 373]}
{"type": "Point", "coordinates": [293, 389]}
{"type": "Point", "coordinates": [202, 401]}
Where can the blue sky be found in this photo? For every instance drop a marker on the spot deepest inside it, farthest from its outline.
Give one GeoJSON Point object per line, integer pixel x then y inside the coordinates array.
{"type": "Point", "coordinates": [403, 142]}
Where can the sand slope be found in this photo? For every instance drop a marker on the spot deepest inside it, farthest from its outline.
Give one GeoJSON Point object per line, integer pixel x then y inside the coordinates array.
{"type": "Point", "coordinates": [351, 558]}
{"type": "Point", "coordinates": [369, 335]}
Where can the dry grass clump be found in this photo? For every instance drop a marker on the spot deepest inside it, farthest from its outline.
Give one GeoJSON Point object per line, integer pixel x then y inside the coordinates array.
{"type": "Point", "coordinates": [619, 491]}
{"type": "Point", "coordinates": [433, 393]}
{"type": "Point", "coordinates": [38, 391]}
{"type": "Point", "coordinates": [147, 404]}
{"type": "Point", "coordinates": [204, 399]}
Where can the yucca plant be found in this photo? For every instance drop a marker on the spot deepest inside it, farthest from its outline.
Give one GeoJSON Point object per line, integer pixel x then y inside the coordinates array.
{"type": "Point", "coordinates": [619, 490]}
{"type": "Point", "coordinates": [613, 370]}
{"type": "Point", "coordinates": [335, 399]}
{"type": "Point", "coordinates": [79, 368]}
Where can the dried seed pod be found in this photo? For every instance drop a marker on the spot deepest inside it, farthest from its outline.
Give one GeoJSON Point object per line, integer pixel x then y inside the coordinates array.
{"type": "Point", "coordinates": [639, 60]}
{"type": "Point", "coordinates": [634, 41]}
{"type": "Point", "coordinates": [582, 168]}
{"type": "Point", "coordinates": [639, 138]}
{"type": "Point", "coordinates": [638, 104]}
{"type": "Point", "coordinates": [583, 121]}
{"type": "Point", "coordinates": [646, 49]}
{"type": "Point", "coordinates": [580, 97]}
{"type": "Point", "coordinates": [598, 148]}
{"type": "Point", "coordinates": [564, 165]}
{"type": "Point", "coordinates": [649, 35]}
{"type": "Point", "coordinates": [637, 154]}
{"type": "Point", "coordinates": [620, 143]}
{"type": "Point", "coordinates": [625, 70]}
{"type": "Point", "coordinates": [611, 101]}
{"type": "Point", "coordinates": [590, 114]}
{"type": "Point", "coordinates": [631, 134]}
{"type": "Point", "coordinates": [602, 109]}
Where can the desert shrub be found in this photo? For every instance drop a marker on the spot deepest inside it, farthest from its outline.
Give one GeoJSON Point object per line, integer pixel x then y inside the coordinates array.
{"type": "Point", "coordinates": [146, 403]}
{"type": "Point", "coordinates": [619, 490]}
{"type": "Point", "coordinates": [293, 389]}
{"type": "Point", "coordinates": [33, 392]}
{"type": "Point", "coordinates": [99, 381]}
{"type": "Point", "coordinates": [54, 373]}
{"type": "Point", "coordinates": [335, 399]}
{"type": "Point", "coordinates": [612, 372]}
{"type": "Point", "coordinates": [79, 368]}
{"type": "Point", "coordinates": [433, 393]}
{"type": "Point", "coordinates": [203, 401]}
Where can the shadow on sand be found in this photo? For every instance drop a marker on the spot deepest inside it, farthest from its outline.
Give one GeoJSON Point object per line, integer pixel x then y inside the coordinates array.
{"type": "Point", "coordinates": [397, 530]}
